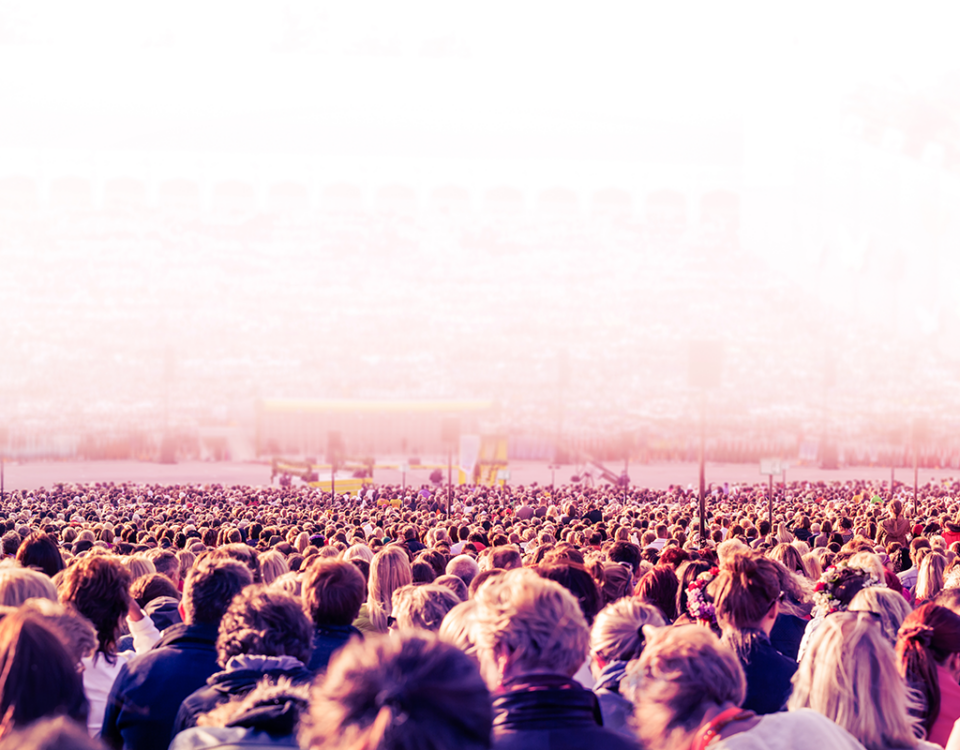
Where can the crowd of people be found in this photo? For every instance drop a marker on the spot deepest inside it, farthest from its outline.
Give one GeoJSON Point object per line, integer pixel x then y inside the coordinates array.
{"type": "Point", "coordinates": [147, 617]}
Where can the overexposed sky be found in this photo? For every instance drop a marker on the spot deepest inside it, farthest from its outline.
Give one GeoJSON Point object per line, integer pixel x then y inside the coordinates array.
{"type": "Point", "coordinates": [479, 62]}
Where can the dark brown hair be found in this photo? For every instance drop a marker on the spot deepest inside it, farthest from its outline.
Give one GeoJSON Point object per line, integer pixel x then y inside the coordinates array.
{"type": "Point", "coordinates": [37, 676]}
{"type": "Point", "coordinates": [264, 622]}
{"type": "Point", "coordinates": [98, 587]}
{"type": "Point", "coordinates": [333, 592]}
{"type": "Point", "coordinates": [407, 691]}
{"type": "Point", "coordinates": [211, 586]}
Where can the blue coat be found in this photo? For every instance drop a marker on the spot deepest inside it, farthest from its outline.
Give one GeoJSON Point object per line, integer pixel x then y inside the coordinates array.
{"type": "Point", "coordinates": [149, 689]}
{"type": "Point", "coordinates": [327, 640]}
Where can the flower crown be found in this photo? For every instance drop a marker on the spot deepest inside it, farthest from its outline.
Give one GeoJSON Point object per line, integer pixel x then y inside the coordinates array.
{"type": "Point", "coordinates": [699, 602]}
{"type": "Point", "coordinates": [825, 592]}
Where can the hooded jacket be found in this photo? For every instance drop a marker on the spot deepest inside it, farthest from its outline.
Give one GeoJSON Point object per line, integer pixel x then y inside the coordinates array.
{"type": "Point", "coordinates": [268, 717]}
{"type": "Point", "coordinates": [241, 675]}
{"type": "Point", "coordinates": [616, 709]}
{"type": "Point", "coordinates": [551, 712]}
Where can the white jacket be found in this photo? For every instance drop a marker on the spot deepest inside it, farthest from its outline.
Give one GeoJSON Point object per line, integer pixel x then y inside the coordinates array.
{"type": "Point", "coordinates": [99, 674]}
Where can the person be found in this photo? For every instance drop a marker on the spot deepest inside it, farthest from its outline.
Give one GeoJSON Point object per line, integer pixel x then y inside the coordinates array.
{"type": "Point", "coordinates": [333, 592]}
{"type": "Point", "coordinates": [687, 688]}
{"type": "Point", "coordinates": [98, 587]}
{"type": "Point", "coordinates": [389, 571]}
{"type": "Point", "coordinates": [616, 638]}
{"type": "Point", "coordinates": [895, 527]}
{"type": "Point", "coordinates": [147, 693]}
{"type": "Point", "coordinates": [746, 595]}
{"type": "Point", "coordinates": [422, 607]}
{"type": "Point", "coordinates": [849, 674]}
{"type": "Point", "coordinates": [928, 656]}
{"type": "Point", "coordinates": [264, 634]}
{"type": "Point", "coordinates": [464, 567]}
{"type": "Point", "coordinates": [403, 692]}
{"type": "Point", "coordinates": [531, 639]}
{"type": "Point", "coordinates": [38, 676]}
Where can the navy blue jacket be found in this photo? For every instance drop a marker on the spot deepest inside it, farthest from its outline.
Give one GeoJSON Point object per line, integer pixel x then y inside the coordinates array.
{"type": "Point", "coordinates": [149, 689]}
{"type": "Point", "coordinates": [768, 675]}
{"type": "Point", "coordinates": [242, 675]}
{"type": "Point", "coordinates": [327, 640]}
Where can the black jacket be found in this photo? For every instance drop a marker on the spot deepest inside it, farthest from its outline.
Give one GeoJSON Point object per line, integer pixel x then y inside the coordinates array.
{"type": "Point", "coordinates": [327, 640]}
{"type": "Point", "coordinates": [239, 678]}
{"type": "Point", "coordinates": [550, 712]}
{"type": "Point", "coordinates": [149, 688]}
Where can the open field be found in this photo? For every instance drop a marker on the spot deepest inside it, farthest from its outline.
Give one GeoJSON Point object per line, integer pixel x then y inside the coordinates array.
{"type": "Point", "coordinates": [32, 475]}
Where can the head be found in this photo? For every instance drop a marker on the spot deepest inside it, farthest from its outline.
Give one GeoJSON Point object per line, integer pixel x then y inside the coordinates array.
{"type": "Point", "coordinates": [528, 625]}
{"type": "Point", "coordinates": [463, 567]}
{"type": "Point", "coordinates": [18, 584]}
{"type": "Point", "coordinates": [75, 630]}
{"type": "Point", "coordinates": [575, 579]}
{"type": "Point", "coordinates": [682, 673]}
{"type": "Point", "coordinates": [930, 576]}
{"type": "Point", "coordinates": [659, 587]}
{"type": "Point", "coordinates": [746, 593]}
{"type": "Point", "coordinates": [389, 571]}
{"type": "Point", "coordinates": [457, 628]}
{"type": "Point", "coordinates": [408, 691]}
{"type": "Point", "coordinates": [887, 606]}
{"type": "Point", "coordinates": [166, 564]}
{"type": "Point", "coordinates": [264, 622]}
{"type": "Point", "coordinates": [929, 637]}
{"type": "Point", "coordinates": [144, 590]}
{"type": "Point", "coordinates": [38, 677]}
{"type": "Point", "coordinates": [98, 587]}
{"type": "Point", "coordinates": [333, 592]}
{"type": "Point", "coordinates": [422, 607]}
{"type": "Point", "coordinates": [209, 589]}
{"type": "Point", "coordinates": [617, 633]}
{"type": "Point", "coordinates": [272, 566]}
{"type": "Point", "coordinates": [40, 551]}
{"type": "Point", "coordinates": [849, 675]}
{"type": "Point", "coordinates": [455, 584]}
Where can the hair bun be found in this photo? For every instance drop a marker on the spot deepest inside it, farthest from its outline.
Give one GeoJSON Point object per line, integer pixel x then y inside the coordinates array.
{"type": "Point", "coordinates": [922, 634]}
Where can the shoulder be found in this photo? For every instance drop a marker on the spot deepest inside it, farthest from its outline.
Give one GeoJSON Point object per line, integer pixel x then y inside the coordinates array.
{"type": "Point", "coordinates": [797, 730]}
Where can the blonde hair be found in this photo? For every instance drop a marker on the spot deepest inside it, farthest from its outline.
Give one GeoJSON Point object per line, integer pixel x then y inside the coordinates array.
{"type": "Point", "coordinates": [422, 607]}
{"type": "Point", "coordinates": [272, 566]}
{"type": "Point", "coordinates": [458, 626]}
{"type": "Point", "coordinates": [617, 632]}
{"type": "Point", "coordinates": [683, 671]}
{"type": "Point", "coordinates": [887, 605]}
{"type": "Point", "coordinates": [76, 631]}
{"type": "Point", "coordinates": [138, 566]}
{"type": "Point", "coordinates": [812, 566]}
{"type": "Point", "coordinates": [870, 562]}
{"type": "Point", "coordinates": [534, 620]}
{"type": "Point", "coordinates": [389, 571]}
{"type": "Point", "coordinates": [849, 674]}
{"type": "Point", "coordinates": [19, 584]}
{"type": "Point", "coordinates": [357, 552]}
{"type": "Point", "coordinates": [302, 541]}
{"type": "Point", "coordinates": [930, 577]}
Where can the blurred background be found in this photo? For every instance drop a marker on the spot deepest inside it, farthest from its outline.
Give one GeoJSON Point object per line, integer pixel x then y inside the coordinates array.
{"type": "Point", "coordinates": [235, 230]}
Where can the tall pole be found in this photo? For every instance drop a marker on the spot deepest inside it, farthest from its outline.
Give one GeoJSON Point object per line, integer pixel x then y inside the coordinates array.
{"type": "Point", "coordinates": [770, 505]}
{"type": "Point", "coordinates": [703, 483]}
{"type": "Point", "coordinates": [891, 479]}
{"type": "Point", "coordinates": [449, 480]}
{"type": "Point", "coordinates": [2, 495]}
{"type": "Point", "coordinates": [916, 472]}
{"type": "Point", "coordinates": [333, 478]}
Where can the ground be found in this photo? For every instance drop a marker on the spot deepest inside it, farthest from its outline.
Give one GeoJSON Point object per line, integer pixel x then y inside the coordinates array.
{"type": "Point", "coordinates": [31, 475]}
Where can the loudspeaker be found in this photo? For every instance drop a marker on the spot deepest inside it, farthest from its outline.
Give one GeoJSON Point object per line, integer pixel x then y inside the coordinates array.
{"type": "Point", "coordinates": [705, 363]}
{"type": "Point", "coordinates": [450, 429]}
